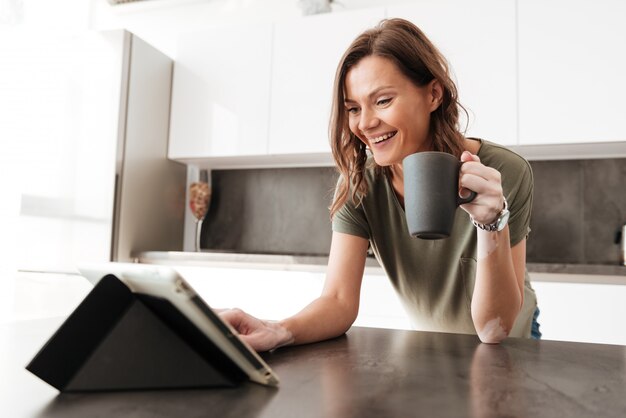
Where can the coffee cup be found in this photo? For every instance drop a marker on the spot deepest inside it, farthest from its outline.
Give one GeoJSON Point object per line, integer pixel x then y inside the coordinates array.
{"type": "Point", "coordinates": [431, 185]}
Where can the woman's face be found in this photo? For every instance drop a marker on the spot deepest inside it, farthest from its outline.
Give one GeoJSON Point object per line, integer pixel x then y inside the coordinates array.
{"type": "Point", "coordinates": [387, 111]}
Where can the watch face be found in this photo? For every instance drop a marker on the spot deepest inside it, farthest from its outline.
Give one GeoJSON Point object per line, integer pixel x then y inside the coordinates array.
{"type": "Point", "coordinates": [503, 220]}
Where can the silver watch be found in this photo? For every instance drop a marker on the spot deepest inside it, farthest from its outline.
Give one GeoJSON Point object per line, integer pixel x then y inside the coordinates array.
{"type": "Point", "coordinates": [499, 223]}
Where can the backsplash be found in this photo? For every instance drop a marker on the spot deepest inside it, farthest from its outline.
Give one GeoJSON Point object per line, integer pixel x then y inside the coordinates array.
{"type": "Point", "coordinates": [578, 207]}
{"type": "Point", "coordinates": [271, 211]}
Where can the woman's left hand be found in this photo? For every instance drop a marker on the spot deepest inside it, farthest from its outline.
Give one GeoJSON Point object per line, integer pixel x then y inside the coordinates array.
{"type": "Point", "coordinates": [487, 184]}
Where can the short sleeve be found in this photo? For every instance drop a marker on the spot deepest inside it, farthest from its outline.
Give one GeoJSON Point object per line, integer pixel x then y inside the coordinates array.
{"type": "Point", "coordinates": [520, 199]}
{"type": "Point", "coordinates": [350, 219]}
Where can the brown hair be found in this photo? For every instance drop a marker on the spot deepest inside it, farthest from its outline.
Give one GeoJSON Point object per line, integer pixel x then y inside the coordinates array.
{"type": "Point", "coordinates": [417, 58]}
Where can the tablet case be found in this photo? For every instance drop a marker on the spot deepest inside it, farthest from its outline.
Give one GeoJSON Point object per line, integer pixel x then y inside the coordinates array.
{"type": "Point", "coordinates": [118, 340]}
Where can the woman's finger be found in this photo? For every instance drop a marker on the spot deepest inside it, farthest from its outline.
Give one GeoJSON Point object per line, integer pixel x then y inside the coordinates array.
{"type": "Point", "coordinates": [481, 170]}
{"type": "Point", "coordinates": [468, 156]}
{"type": "Point", "coordinates": [480, 185]}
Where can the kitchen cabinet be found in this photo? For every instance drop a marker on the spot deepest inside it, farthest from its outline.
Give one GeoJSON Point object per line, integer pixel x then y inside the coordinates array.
{"type": "Point", "coordinates": [583, 312]}
{"type": "Point", "coordinates": [221, 92]}
{"type": "Point", "coordinates": [305, 56]}
{"type": "Point", "coordinates": [277, 294]}
{"type": "Point", "coordinates": [478, 40]}
{"type": "Point", "coordinates": [260, 95]}
{"type": "Point", "coordinates": [571, 71]}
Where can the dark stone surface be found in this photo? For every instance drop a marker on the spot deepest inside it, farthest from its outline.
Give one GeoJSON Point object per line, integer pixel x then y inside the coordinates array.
{"type": "Point", "coordinates": [578, 207]}
{"type": "Point", "coordinates": [604, 197]}
{"type": "Point", "coordinates": [376, 373]}
{"type": "Point", "coordinates": [271, 211]}
{"type": "Point", "coordinates": [584, 271]}
{"type": "Point", "coordinates": [556, 222]}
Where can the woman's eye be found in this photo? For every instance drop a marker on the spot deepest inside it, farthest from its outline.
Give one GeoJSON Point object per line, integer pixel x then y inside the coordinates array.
{"type": "Point", "coordinates": [353, 110]}
{"type": "Point", "coordinates": [383, 102]}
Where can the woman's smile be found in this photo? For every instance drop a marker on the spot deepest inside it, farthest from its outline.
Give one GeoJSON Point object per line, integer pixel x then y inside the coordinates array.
{"type": "Point", "coordinates": [383, 137]}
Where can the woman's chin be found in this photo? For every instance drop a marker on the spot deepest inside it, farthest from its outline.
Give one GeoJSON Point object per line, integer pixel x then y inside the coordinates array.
{"type": "Point", "coordinates": [383, 160]}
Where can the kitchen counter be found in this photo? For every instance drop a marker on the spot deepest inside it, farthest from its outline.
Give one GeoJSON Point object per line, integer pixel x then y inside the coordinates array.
{"type": "Point", "coordinates": [241, 260]}
{"type": "Point", "coordinates": [577, 273]}
{"type": "Point", "coordinates": [366, 373]}
{"type": "Point", "coordinates": [588, 269]}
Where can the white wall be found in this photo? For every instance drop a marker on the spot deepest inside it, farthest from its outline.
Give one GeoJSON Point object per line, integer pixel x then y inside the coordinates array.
{"type": "Point", "coordinates": [59, 100]}
{"type": "Point", "coordinates": [40, 14]}
{"type": "Point", "coordinates": [157, 22]}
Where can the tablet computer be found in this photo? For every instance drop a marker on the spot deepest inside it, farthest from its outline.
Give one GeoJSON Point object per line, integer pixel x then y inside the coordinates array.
{"type": "Point", "coordinates": [165, 282]}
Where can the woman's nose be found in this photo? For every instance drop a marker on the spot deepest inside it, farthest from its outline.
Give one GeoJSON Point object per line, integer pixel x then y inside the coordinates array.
{"type": "Point", "coordinates": [368, 120]}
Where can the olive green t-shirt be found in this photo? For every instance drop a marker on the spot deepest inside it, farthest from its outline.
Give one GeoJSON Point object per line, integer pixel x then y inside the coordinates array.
{"type": "Point", "coordinates": [435, 278]}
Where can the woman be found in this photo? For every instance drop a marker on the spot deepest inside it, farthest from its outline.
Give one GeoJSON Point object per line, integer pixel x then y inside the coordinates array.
{"type": "Point", "coordinates": [393, 96]}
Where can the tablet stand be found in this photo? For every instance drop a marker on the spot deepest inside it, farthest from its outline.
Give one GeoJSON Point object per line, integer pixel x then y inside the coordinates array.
{"type": "Point", "coordinates": [118, 340]}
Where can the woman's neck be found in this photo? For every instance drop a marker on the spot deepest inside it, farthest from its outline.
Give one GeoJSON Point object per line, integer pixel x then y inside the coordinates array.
{"type": "Point", "coordinates": [397, 181]}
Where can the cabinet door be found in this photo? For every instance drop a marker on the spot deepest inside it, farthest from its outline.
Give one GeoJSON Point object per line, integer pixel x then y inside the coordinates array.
{"type": "Point", "coordinates": [220, 97]}
{"type": "Point", "coordinates": [306, 54]}
{"type": "Point", "coordinates": [478, 40]}
{"type": "Point", "coordinates": [379, 306]}
{"type": "Point", "coordinates": [571, 71]}
{"type": "Point", "coordinates": [581, 312]}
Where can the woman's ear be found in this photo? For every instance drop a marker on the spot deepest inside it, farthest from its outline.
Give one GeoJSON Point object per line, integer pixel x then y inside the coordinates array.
{"type": "Point", "coordinates": [436, 94]}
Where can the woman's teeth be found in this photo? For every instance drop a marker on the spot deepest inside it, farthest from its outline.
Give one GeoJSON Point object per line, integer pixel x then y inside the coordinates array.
{"type": "Point", "coordinates": [383, 137]}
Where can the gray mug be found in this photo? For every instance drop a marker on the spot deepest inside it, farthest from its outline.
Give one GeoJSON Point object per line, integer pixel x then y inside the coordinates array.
{"type": "Point", "coordinates": [431, 185]}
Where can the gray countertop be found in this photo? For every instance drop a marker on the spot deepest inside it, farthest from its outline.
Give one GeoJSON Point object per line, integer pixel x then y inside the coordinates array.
{"type": "Point", "coordinates": [366, 373]}
{"type": "Point", "coordinates": [588, 269]}
{"type": "Point", "coordinates": [579, 273]}
{"type": "Point", "coordinates": [241, 260]}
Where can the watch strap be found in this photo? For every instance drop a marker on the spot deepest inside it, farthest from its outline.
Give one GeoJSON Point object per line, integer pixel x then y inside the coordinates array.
{"type": "Point", "coordinates": [495, 225]}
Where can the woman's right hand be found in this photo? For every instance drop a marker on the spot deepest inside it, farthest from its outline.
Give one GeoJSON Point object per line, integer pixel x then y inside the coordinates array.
{"type": "Point", "coordinates": [261, 335]}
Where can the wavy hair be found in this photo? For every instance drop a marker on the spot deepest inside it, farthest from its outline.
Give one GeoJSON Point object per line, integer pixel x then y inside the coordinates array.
{"type": "Point", "coordinates": [417, 58]}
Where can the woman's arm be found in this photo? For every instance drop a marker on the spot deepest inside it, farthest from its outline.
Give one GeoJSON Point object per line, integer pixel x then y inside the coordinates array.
{"type": "Point", "coordinates": [328, 316]}
{"type": "Point", "coordinates": [499, 286]}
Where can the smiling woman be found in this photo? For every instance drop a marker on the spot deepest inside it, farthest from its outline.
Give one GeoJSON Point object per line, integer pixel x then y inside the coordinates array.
{"type": "Point", "coordinates": [393, 97]}
{"type": "Point", "coordinates": [399, 61]}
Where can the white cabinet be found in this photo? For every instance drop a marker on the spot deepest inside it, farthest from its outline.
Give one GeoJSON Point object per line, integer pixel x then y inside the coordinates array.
{"type": "Point", "coordinates": [221, 87]}
{"type": "Point", "coordinates": [266, 90]}
{"type": "Point", "coordinates": [581, 312]}
{"type": "Point", "coordinates": [528, 72]}
{"type": "Point", "coordinates": [305, 57]}
{"type": "Point", "coordinates": [478, 40]}
{"type": "Point", "coordinates": [571, 71]}
{"type": "Point", "coordinates": [277, 294]}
